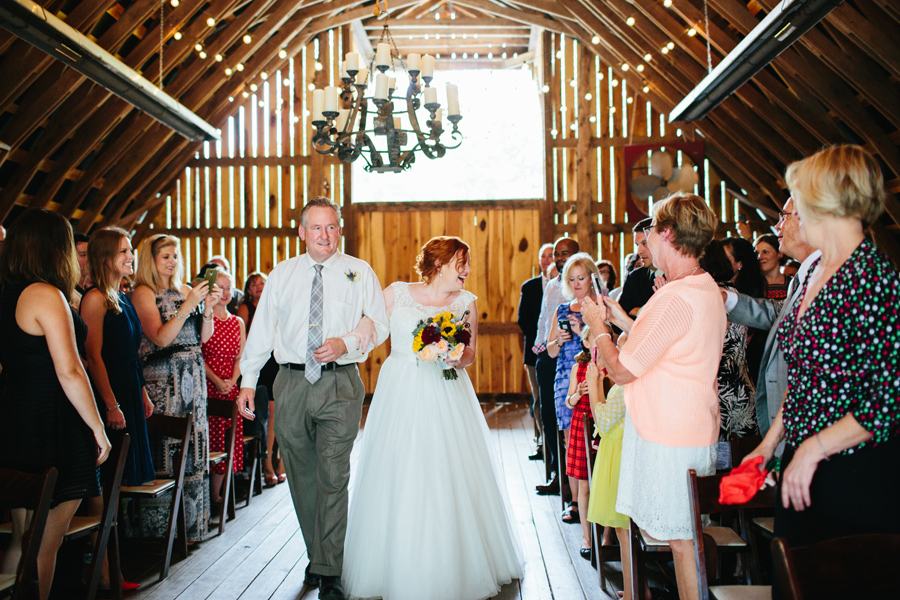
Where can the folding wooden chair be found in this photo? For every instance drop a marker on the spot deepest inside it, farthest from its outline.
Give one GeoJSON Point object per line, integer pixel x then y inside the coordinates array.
{"type": "Point", "coordinates": [856, 566]}
{"type": "Point", "coordinates": [178, 428]}
{"type": "Point", "coordinates": [35, 493]}
{"type": "Point", "coordinates": [600, 554]}
{"type": "Point", "coordinates": [704, 495]}
{"type": "Point", "coordinates": [225, 409]}
{"type": "Point", "coordinates": [105, 526]}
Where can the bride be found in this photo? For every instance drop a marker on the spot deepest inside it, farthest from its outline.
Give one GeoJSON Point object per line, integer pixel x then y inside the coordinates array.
{"type": "Point", "coordinates": [429, 514]}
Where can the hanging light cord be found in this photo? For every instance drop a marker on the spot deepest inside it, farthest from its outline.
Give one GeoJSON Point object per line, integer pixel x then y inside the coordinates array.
{"type": "Point", "coordinates": [708, 50]}
{"type": "Point", "coordinates": [162, 39]}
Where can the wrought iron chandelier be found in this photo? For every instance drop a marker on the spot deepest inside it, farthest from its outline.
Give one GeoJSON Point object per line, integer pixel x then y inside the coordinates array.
{"type": "Point", "coordinates": [343, 131]}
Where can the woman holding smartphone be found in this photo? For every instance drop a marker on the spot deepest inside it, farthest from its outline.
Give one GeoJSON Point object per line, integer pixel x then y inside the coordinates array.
{"type": "Point", "coordinates": [564, 344]}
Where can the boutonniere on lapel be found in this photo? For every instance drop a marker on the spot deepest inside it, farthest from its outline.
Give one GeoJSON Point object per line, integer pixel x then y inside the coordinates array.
{"type": "Point", "coordinates": [352, 276]}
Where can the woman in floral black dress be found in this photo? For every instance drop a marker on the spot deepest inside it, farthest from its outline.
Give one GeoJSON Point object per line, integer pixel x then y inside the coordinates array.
{"type": "Point", "coordinates": [840, 417]}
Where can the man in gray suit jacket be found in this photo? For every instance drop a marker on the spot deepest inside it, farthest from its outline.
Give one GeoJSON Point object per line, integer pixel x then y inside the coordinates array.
{"type": "Point", "coordinates": [768, 314]}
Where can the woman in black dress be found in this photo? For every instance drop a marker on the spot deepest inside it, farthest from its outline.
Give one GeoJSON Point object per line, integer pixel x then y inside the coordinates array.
{"type": "Point", "coordinates": [49, 415]}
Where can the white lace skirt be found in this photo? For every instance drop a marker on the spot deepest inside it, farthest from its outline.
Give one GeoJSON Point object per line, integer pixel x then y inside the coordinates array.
{"type": "Point", "coordinates": [653, 483]}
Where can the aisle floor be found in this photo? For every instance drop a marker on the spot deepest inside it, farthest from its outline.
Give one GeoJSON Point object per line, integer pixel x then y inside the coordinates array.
{"type": "Point", "coordinates": [262, 555]}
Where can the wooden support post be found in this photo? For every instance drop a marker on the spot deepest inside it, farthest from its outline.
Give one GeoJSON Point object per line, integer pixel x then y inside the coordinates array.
{"type": "Point", "coordinates": [584, 193]}
{"type": "Point", "coordinates": [546, 212]}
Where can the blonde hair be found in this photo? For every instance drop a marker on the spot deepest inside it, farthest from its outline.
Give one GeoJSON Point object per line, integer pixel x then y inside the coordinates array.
{"type": "Point", "coordinates": [146, 272]}
{"type": "Point", "coordinates": [692, 223]}
{"type": "Point", "coordinates": [579, 259]}
{"type": "Point", "coordinates": [843, 181]}
{"type": "Point", "coordinates": [103, 249]}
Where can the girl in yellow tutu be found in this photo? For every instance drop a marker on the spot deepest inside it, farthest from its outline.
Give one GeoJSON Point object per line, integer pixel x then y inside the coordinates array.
{"type": "Point", "coordinates": [609, 419]}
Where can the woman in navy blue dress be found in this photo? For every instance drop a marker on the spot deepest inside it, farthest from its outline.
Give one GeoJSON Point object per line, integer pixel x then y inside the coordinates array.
{"type": "Point", "coordinates": [114, 336]}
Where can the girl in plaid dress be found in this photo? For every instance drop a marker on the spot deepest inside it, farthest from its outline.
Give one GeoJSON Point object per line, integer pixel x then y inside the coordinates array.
{"type": "Point", "coordinates": [576, 454]}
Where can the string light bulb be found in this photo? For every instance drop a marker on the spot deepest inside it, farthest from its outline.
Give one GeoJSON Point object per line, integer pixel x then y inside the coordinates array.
{"type": "Point", "coordinates": [240, 67]}
{"type": "Point", "coordinates": [692, 32]}
{"type": "Point", "coordinates": [319, 66]}
{"type": "Point", "coordinates": [545, 89]}
{"type": "Point", "coordinates": [630, 99]}
{"type": "Point", "coordinates": [667, 3]}
{"type": "Point", "coordinates": [640, 68]}
{"type": "Point", "coordinates": [198, 47]}
{"type": "Point", "coordinates": [203, 54]}
{"type": "Point", "coordinates": [228, 71]}
{"type": "Point", "coordinates": [219, 57]}
{"type": "Point", "coordinates": [629, 21]}
{"type": "Point", "coordinates": [174, 3]}
{"type": "Point", "coordinates": [595, 40]}
{"type": "Point", "coordinates": [247, 39]}
{"type": "Point", "coordinates": [253, 87]}
{"type": "Point", "coordinates": [625, 67]}
{"type": "Point", "coordinates": [264, 75]}
{"type": "Point", "coordinates": [646, 88]}
{"type": "Point", "coordinates": [177, 35]}
{"type": "Point", "coordinates": [245, 94]}
{"type": "Point", "coordinates": [670, 45]}
{"type": "Point", "coordinates": [648, 57]}
{"type": "Point", "coordinates": [282, 54]}
{"type": "Point", "coordinates": [664, 50]}
{"type": "Point", "coordinates": [588, 97]}
{"type": "Point", "coordinates": [211, 22]}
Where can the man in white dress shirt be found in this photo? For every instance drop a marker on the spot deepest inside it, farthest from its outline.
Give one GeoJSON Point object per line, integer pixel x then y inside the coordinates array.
{"type": "Point", "coordinates": [309, 313]}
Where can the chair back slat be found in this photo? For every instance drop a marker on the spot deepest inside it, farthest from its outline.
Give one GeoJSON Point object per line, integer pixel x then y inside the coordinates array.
{"type": "Point", "coordinates": [31, 492]}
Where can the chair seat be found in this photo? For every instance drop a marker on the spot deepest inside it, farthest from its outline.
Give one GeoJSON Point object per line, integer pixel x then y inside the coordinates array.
{"type": "Point", "coordinates": [741, 592]}
{"type": "Point", "coordinates": [6, 527]}
{"type": "Point", "coordinates": [150, 490]}
{"type": "Point", "coordinates": [725, 537]}
{"type": "Point", "coordinates": [767, 524]}
{"type": "Point", "coordinates": [7, 581]}
{"type": "Point", "coordinates": [82, 524]}
{"type": "Point", "coordinates": [249, 438]}
{"type": "Point", "coordinates": [217, 457]}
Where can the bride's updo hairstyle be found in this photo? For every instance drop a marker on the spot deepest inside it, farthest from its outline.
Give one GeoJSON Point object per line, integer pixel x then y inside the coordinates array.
{"type": "Point", "coordinates": [437, 252]}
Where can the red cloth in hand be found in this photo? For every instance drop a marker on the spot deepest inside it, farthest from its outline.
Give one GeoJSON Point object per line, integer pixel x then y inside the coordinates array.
{"type": "Point", "coordinates": [742, 483]}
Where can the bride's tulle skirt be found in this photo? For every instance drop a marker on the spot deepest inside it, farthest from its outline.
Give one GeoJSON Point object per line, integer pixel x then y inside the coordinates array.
{"type": "Point", "coordinates": [429, 514]}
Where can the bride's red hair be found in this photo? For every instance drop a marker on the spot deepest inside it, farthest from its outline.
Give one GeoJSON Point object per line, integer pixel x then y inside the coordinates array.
{"type": "Point", "coordinates": [437, 252]}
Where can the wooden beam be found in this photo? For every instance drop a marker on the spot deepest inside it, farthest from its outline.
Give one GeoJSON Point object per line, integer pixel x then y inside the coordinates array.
{"type": "Point", "coordinates": [547, 218]}
{"type": "Point", "coordinates": [528, 17]}
{"type": "Point", "coordinates": [870, 36]}
{"type": "Point", "coordinates": [323, 23]}
{"type": "Point", "coordinates": [444, 25]}
{"type": "Point", "coordinates": [585, 156]}
{"type": "Point", "coordinates": [419, 34]}
{"type": "Point", "coordinates": [655, 15]}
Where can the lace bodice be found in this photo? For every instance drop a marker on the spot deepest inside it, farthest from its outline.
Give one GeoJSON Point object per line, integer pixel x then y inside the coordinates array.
{"type": "Point", "coordinates": [408, 312]}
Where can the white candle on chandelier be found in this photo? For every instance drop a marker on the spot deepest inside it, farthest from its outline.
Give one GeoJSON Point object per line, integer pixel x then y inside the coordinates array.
{"type": "Point", "coordinates": [362, 76]}
{"type": "Point", "coordinates": [397, 124]}
{"type": "Point", "coordinates": [318, 104]}
{"type": "Point", "coordinates": [452, 99]}
{"type": "Point", "coordinates": [331, 99]}
{"type": "Point", "coordinates": [381, 86]}
{"type": "Point", "coordinates": [344, 73]}
{"type": "Point", "coordinates": [383, 55]}
{"type": "Point", "coordinates": [392, 83]}
{"type": "Point", "coordinates": [427, 66]}
{"type": "Point", "coordinates": [430, 95]}
{"type": "Point", "coordinates": [438, 115]}
{"type": "Point", "coordinates": [352, 61]}
{"type": "Point", "coordinates": [414, 62]}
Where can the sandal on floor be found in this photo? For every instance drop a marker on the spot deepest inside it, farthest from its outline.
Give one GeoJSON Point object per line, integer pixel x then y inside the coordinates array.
{"type": "Point", "coordinates": [281, 477]}
{"type": "Point", "coordinates": [570, 514]}
{"type": "Point", "coordinates": [271, 479]}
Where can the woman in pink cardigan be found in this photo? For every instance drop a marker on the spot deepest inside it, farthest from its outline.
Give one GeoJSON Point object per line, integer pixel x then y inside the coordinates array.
{"type": "Point", "coordinates": [669, 367]}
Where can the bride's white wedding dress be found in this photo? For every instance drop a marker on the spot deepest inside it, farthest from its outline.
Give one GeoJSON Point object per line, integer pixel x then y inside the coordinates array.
{"type": "Point", "coordinates": [429, 513]}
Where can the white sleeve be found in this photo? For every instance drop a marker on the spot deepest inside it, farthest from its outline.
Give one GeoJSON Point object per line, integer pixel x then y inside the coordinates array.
{"type": "Point", "coordinates": [731, 299]}
{"type": "Point", "coordinates": [373, 307]}
{"type": "Point", "coordinates": [261, 339]}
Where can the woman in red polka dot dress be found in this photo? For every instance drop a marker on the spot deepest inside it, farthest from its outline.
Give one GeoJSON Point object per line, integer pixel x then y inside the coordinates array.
{"type": "Point", "coordinates": [222, 357]}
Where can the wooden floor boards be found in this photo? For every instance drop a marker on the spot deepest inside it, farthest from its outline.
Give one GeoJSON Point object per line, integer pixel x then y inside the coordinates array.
{"type": "Point", "coordinates": [262, 556]}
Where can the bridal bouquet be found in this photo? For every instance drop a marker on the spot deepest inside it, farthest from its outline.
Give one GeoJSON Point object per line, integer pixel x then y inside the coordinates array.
{"type": "Point", "coordinates": [442, 337]}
